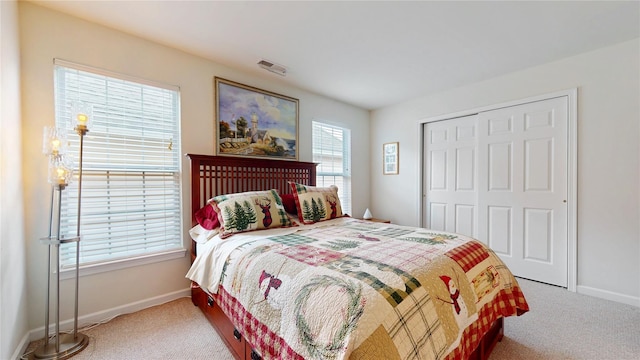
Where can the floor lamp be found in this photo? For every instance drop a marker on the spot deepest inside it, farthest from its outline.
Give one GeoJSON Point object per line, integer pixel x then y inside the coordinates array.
{"type": "Point", "coordinates": [62, 345]}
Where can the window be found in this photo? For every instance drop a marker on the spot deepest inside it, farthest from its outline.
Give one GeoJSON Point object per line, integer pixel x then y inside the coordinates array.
{"type": "Point", "coordinates": [332, 152]}
{"type": "Point", "coordinates": [131, 166]}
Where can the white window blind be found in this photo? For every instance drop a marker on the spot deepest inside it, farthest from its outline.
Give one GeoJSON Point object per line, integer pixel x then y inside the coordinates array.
{"type": "Point", "coordinates": [131, 166]}
{"type": "Point", "coordinates": [332, 152]}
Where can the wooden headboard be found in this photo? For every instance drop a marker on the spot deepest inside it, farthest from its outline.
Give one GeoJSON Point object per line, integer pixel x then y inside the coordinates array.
{"type": "Point", "coordinates": [218, 175]}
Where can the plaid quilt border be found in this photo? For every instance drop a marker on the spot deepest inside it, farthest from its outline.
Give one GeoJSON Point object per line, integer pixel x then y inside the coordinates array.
{"type": "Point", "coordinates": [468, 254]}
{"type": "Point", "coordinates": [267, 343]}
{"type": "Point", "coordinates": [506, 303]}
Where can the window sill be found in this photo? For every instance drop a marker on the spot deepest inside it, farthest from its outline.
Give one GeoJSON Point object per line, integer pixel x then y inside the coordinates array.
{"type": "Point", "coordinates": [90, 269]}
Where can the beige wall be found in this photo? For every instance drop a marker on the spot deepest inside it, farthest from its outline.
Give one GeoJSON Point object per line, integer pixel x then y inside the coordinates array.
{"type": "Point", "coordinates": [13, 282]}
{"type": "Point", "coordinates": [46, 35]}
{"type": "Point", "coordinates": [608, 82]}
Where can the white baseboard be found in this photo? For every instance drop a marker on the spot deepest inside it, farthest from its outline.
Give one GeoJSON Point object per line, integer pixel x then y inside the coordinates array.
{"type": "Point", "coordinates": [100, 316]}
{"type": "Point", "coordinates": [609, 295]}
{"type": "Point", "coordinates": [22, 346]}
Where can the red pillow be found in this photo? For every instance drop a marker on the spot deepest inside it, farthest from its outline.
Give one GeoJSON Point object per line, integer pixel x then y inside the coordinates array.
{"type": "Point", "coordinates": [289, 203]}
{"type": "Point", "coordinates": [207, 217]}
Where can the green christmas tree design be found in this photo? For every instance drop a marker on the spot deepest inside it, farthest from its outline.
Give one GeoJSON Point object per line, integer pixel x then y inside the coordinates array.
{"type": "Point", "coordinates": [249, 212]}
{"type": "Point", "coordinates": [432, 239]}
{"type": "Point", "coordinates": [307, 214]}
{"type": "Point", "coordinates": [240, 217]}
{"type": "Point", "coordinates": [314, 212]}
{"type": "Point", "coordinates": [322, 212]}
{"type": "Point", "coordinates": [229, 218]}
{"type": "Point", "coordinates": [338, 245]}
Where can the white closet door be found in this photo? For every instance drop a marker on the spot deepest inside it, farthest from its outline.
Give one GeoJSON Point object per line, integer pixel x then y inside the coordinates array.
{"type": "Point", "coordinates": [501, 177]}
{"type": "Point", "coordinates": [522, 184]}
{"type": "Point", "coordinates": [451, 175]}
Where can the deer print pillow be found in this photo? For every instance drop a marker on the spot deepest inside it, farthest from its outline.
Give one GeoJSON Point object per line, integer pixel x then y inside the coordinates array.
{"type": "Point", "coordinates": [249, 211]}
{"type": "Point", "coordinates": [315, 203]}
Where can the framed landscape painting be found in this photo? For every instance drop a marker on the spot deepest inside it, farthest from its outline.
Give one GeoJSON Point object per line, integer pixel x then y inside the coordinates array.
{"type": "Point", "coordinates": [251, 122]}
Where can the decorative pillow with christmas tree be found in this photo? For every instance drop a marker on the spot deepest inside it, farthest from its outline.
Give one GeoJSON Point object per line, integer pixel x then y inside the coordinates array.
{"type": "Point", "coordinates": [316, 203]}
{"type": "Point", "coordinates": [249, 211]}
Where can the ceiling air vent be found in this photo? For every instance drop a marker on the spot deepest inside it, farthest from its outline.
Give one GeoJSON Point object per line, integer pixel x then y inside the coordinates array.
{"type": "Point", "coordinates": [274, 68]}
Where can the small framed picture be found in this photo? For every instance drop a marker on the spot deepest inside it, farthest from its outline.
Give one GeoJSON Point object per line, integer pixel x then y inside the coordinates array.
{"type": "Point", "coordinates": [390, 158]}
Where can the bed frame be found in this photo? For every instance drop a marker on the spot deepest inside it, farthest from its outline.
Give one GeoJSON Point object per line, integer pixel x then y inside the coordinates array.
{"type": "Point", "coordinates": [216, 175]}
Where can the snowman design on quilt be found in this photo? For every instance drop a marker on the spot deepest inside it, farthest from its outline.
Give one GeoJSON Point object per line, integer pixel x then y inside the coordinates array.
{"type": "Point", "coordinates": [459, 308]}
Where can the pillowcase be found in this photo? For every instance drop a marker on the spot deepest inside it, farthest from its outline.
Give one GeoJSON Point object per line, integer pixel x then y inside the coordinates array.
{"type": "Point", "coordinates": [254, 210]}
{"type": "Point", "coordinates": [289, 203]}
{"type": "Point", "coordinates": [207, 218]}
{"type": "Point", "coordinates": [202, 235]}
{"type": "Point", "coordinates": [315, 203]}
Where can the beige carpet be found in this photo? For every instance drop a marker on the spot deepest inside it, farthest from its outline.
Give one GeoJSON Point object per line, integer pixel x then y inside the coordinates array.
{"type": "Point", "coordinates": [566, 325]}
{"type": "Point", "coordinates": [560, 325]}
{"type": "Point", "coordinates": [175, 330]}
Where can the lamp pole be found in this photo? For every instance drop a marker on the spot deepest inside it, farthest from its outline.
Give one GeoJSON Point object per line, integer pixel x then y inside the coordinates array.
{"type": "Point", "coordinates": [82, 130]}
{"type": "Point", "coordinates": [66, 345]}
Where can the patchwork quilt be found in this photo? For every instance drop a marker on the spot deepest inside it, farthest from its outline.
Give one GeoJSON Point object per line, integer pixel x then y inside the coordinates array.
{"type": "Point", "coordinates": [353, 289]}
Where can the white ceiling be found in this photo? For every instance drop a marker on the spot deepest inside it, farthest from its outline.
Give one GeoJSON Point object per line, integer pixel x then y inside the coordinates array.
{"type": "Point", "coordinates": [372, 53]}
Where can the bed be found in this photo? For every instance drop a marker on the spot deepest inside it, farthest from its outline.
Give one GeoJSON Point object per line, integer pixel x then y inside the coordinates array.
{"type": "Point", "coordinates": [330, 286]}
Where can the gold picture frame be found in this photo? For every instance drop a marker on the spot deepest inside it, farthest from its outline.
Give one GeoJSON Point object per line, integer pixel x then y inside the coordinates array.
{"type": "Point", "coordinates": [391, 158]}
{"type": "Point", "coordinates": [252, 122]}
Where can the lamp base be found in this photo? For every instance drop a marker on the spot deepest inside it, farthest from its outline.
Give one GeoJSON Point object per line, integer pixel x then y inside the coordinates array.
{"type": "Point", "coordinates": [69, 346]}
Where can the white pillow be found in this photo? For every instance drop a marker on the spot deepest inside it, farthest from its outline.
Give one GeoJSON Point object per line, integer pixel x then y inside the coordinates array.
{"type": "Point", "coordinates": [202, 235]}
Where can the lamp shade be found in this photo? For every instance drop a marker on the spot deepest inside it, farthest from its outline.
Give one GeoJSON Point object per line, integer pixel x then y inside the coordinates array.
{"type": "Point", "coordinates": [367, 214]}
{"type": "Point", "coordinates": [81, 116]}
{"type": "Point", "coordinates": [60, 171]}
{"type": "Point", "coordinates": [54, 141]}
